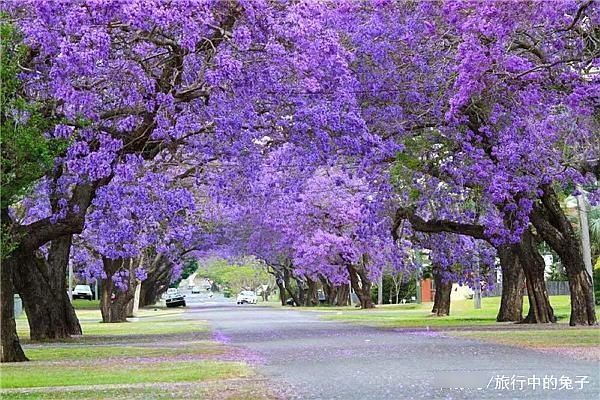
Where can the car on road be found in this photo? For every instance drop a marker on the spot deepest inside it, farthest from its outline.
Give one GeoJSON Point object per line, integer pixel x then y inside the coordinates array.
{"type": "Point", "coordinates": [246, 297]}
{"type": "Point", "coordinates": [175, 300]}
{"type": "Point", "coordinates": [83, 292]}
{"type": "Point", "coordinates": [196, 290]}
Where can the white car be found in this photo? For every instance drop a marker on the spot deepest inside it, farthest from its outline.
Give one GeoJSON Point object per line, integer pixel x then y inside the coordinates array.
{"type": "Point", "coordinates": [246, 297]}
{"type": "Point", "coordinates": [82, 292]}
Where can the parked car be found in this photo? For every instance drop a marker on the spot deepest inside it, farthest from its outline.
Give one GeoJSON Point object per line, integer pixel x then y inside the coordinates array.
{"type": "Point", "coordinates": [83, 292]}
{"type": "Point", "coordinates": [246, 297]}
{"type": "Point", "coordinates": [196, 290]}
{"type": "Point", "coordinates": [175, 300]}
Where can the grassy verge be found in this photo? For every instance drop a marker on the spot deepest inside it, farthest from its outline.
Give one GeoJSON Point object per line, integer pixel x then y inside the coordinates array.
{"type": "Point", "coordinates": [466, 322]}
{"type": "Point", "coordinates": [539, 338]}
{"type": "Point", "coordinates": [158, 355]}
{"type": "Point", "coordinates": [462, 313]}
{"type": "Point", "coordinates": [36, 375]}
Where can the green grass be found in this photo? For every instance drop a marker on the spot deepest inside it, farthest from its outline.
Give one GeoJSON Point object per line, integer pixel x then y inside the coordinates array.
{"type": "Point", "coordinates": [149, 322]}
{"type": "Point", "coordinates": [462, 313]}
{"type": "Point", "coordinates": [80, 304]}
{"type": "Point", "coordinates": [160, 348]}
{"type": "Point", "coordinates": [465, 321]}
{"type": "Point", "coordinates": [35, 375]}
{"type": "Point", "coordinates": [571, 337]}
{"type": "Point", "coordinates": [76, 352]}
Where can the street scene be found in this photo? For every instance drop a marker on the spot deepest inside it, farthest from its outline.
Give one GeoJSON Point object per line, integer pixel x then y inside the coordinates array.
{"type": "Point", "coordinates": [299, 199]}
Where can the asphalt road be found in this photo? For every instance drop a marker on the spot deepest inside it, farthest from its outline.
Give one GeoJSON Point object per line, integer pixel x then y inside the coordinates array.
{"type": "Point", "coordinates": [315, 359]}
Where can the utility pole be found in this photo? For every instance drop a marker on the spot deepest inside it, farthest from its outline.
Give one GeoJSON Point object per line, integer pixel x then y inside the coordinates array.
{"type": "Point", "coordinates": [418, 276]}
{"type": "Point", "coordinates": [380, 289]}
{"type": "Point", "coordinates": [477, 292]}
{"type": "Point", "coordinates": [582, 209]}
{"type": "Point", "coordinates": [70, 281]}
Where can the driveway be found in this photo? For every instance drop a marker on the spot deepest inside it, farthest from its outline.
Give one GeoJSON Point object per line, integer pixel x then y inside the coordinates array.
{"type": "Point", "coordinates": [315, 359]}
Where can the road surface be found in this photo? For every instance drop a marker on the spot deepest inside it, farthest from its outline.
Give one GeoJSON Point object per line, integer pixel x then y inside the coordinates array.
{"type": "Point", "coordinates": [315, 359]}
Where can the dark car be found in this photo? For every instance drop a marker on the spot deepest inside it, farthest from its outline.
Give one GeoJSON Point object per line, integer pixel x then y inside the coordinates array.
{"type": "Point", "coordinates": [175, 300]}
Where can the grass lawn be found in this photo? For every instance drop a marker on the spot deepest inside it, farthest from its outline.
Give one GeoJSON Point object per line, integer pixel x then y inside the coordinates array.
{"type": "Point", "coordinates": [462, 313]}
{"type": "Point", "coordinates": [81, 304]}
{"type": "Point", "coordinates": [465, 321]}
{"type": "Point", "coordinates": [158, 355]}
{"type": "Point", "coordinates": [536, 338]}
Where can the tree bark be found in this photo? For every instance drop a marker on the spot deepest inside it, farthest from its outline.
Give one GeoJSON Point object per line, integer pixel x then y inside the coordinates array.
{"type": "Point", "coordinates": [342, 296]}
{"type": "Point", "coordinates": [281, 290]}
{"type": "Point", "coordinates": [288, 288]}
{"type": "Point", "coordinates": [301, 292]}
{"type": "Point", "coordinates": [361, 285]}
{"type": "Point", "coordinates": [540, 310]}
{"type": "Point", "coordinates": [114, 302]}
{"type": "Point", "coordinates": [156, 283]}
{"type": "Point", "coordinates": [528, 255]}
{"type": "Point", "coordinates": [513, 281]}
{"type": "Point", "coordinates": [42, 286]}
{"type": "Point", "coordinates": [10, 347]}
{"type": "Point", "coordinates": [443, 290]}
{"type": "Point", "coordinates": [553, 226]}
{"type": "Point", "coordinates": [311, 298]}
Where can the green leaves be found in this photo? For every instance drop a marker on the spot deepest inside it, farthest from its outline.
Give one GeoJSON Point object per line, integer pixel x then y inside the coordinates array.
{"type": "Point", "coordinates": [26, 154]}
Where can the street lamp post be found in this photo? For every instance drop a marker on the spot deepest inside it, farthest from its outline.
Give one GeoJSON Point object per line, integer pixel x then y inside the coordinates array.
{"type": "Point", "coordinates": [70, 281]}
{"type": "Point", "coordinates": [586, 248]}
{"type": "Point", "coordinates": [418, 276]}
{"type": "Point", "coordinates": [380, 289]}
{"type": "Point", "coordinates": [477, 294]}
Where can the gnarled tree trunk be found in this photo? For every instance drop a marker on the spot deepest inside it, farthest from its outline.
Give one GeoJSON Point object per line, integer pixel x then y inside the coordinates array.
{"type": "Point", "coordinates": [513, 281]}
{"type": "Point", "coordinates": [342, 296]}
{"type": "Point", "coordinates": [361, 285]}
{"type": "Point", "coordinates": [552, 224]}
{"type": "Point", "coordinates": [311, 298]}
{"type": "Point", "coordinates": [113, 301]}
{"type": "Point", "coordinates": [443, 290]}
{"type": "Point", "coordinates": [540, 310]}
{"type": "Point", "coordinates": [288, 288]}
{"type": "Point", "coordinates": [528, 255]}
{"type": "Point", "coordinates": [42, 286]}
{"type": "Point", "coordinates": [10, 347]}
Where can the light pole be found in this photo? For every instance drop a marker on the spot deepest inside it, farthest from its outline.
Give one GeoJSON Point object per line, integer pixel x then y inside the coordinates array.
{"type": "Point", "coordinates": [586, 248]}
{"type": "Point", "coordinates": [70, 281]}
{"type": "Point", "coordinates": [380, 289]}
{"type": "Point", "coordinates": [418, 276]}
{"type": "Point", "coordinates": [477, 292]}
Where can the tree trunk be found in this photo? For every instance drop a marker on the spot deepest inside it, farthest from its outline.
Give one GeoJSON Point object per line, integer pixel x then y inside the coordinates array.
{"type": "Point", "coordinates": [301, 292]}
{"type": "Point", "coordinates": [513, 280]}
{"type": "Point", "coordinates": [552, 224]}
{"type": "Point", "coordinates": [361, 285]}
{"type": "Point", "coordinates": [10, 347]}
{"type": "Point", "coordinates": [42, 286]}
{"type": "Point", "coordinates": [443, 290]}
{"type": "Point", "coordinates": [342, 296]}
{"type": "Point", "coordinates": [288, 288]}
{"type": "Point", "coordinates": [113, 302]}
{"type": "Point", "coordinates": [312, 298]}
{"type": "Point", "coordinates": [279, 282]}
{"type": "Point", "coordinates": [540, 310]}
{"type": "Point", "coordinates": [156, 283]}
{"type": "Point", "coordinates": [136, 299]}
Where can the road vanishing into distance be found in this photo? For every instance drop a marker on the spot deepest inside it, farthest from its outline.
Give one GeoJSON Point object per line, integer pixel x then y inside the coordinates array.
{"type": "Point", "coordinates": [315, 359]}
